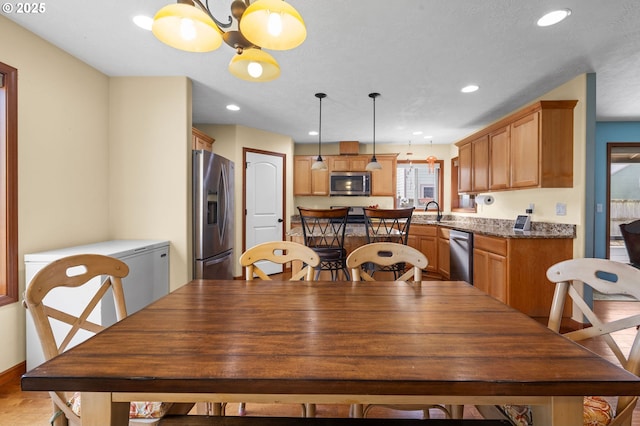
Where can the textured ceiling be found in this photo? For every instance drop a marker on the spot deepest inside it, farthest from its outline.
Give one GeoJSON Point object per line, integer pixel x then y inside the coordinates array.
{"type": "Point", "coordinates": [416, 53]}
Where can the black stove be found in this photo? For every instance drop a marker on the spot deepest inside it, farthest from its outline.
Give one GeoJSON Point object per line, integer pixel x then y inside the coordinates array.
{"type": "Point", "coordinates": [356, 214]}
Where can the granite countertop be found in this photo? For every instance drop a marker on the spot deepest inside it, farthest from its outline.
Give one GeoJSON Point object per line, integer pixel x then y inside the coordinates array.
{"type": "Point", "coordinates": [481, 226]}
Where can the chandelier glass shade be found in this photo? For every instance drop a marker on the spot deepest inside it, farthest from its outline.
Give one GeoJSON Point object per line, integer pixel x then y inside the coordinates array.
{"type": "Point", "coordinates": [189, 25]}
{"type": "Point", "coordinates": [319, 164]}
{"type": "Point", "coordinates": [373, 164]}
{"type": "Point", "coordinates": [273, 24]}
{"type": "Point", "coordinates": [186, 28]}
{"type": "Point", "coordinates": [254, 65]}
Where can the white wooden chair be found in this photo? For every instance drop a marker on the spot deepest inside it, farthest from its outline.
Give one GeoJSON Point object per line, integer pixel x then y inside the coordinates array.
{"type": "Point", "coordinates": [388, 254]}
{"type": "Point", "coordinates": [74, 272]}
{"type": "Point", "coordinates": [281, 252]}
{"type": "Point", "coordinates": [610, 278]}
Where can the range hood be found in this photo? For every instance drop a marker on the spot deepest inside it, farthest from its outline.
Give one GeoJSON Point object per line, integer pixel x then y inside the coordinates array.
{"type": "Point", "coordinates": [349, 148]}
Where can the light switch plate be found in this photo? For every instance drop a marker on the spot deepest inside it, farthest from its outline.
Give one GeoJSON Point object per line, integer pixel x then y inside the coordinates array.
{"type": "Point", "coordinates": [561, 209]}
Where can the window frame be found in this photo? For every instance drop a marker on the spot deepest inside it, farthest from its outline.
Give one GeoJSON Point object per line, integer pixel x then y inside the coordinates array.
{"type": "Point", "coordinates": [9, 198]}
{"type": "Point", "coordinates": [440, 182]}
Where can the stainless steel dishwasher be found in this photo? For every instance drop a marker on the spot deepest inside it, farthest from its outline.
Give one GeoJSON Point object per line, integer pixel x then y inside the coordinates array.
{"type": "Point", "coordinates": [461, 250]}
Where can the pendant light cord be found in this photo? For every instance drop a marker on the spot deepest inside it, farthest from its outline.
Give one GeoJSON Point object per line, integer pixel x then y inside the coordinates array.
{"type": "Point", "coordinates": [374, 96]}
{"type": "Point", "coordinates": [320, 96]}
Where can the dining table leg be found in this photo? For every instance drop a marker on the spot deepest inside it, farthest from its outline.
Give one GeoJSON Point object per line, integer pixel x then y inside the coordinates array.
{"type": "Point", "coordinates": [562, 411]}
{"type": "Point", "coordinates": [99, 410]}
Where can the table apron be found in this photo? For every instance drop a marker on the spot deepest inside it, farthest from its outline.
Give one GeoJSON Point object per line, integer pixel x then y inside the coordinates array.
{"type": "Point", "coordinates": [334, 399]}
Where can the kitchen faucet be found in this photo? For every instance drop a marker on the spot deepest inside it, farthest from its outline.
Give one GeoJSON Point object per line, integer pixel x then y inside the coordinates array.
{"type": "Point", "coordinates": [438, 215]}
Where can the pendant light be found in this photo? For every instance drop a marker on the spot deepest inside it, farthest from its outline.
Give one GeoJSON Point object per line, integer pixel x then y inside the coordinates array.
{"type": "Point", "coordinates": [431, 160]}
{"type": "Point", "coordinates": [319, 164]}
{"type": "Point", "coordinates": [373, 164]}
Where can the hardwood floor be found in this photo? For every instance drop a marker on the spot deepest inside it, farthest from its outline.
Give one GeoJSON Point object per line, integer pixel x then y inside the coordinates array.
{"type": "Point", "coordinates": [19, 408]}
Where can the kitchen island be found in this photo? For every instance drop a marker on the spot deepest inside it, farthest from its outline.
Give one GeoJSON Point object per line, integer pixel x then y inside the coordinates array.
{"type": "Point", "coordinates": [508, 265]}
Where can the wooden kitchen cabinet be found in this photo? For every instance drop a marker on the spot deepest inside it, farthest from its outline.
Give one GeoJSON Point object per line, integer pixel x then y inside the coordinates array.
{"type": "Point", "coordinates": [444, 257]}
{"type": "Point", "coordinates": [490, 266]}
{"type": "Point", "coordinates": [383, 181]}
{"type": "Point", "coordinates": [499, 160]}
{"type": "Point", "coordinates": [200, 140]}
{"type": "Point", "coordinates": [531, 148]}
{"type": "Point", "coordinates": [465, 165]}
{"type": "Point", "coordinates": [425, 239]}
{"type": "Point", "coordinates": [307, 181]}
{"type": "Point", "coordinates": [347, 163]}
{"type": "Point", "coordinates": [513, 270]}
{"type": "Point", "coordinates": [525, 152]}
{"type": "Point", "coordinates": [480, 164]}
{"type": "Point", "coordinates": [473, 166]}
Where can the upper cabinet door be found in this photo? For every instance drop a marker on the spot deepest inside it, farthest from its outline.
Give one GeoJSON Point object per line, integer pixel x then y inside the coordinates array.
{"type": "Point", "coordinates": [525, 153]}
{"type": "Point", "coordinates": [480, 161]}
{"type": "Point", "coordinates": [464, 168]}
{"type": "Point", "coordinates": [499, 160]}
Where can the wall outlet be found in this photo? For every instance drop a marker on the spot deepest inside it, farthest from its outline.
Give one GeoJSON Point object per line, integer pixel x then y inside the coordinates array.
{"type": "Point", "coordinates": [561, 209]}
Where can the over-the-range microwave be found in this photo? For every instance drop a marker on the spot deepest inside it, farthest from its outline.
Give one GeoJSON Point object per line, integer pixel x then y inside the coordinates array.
{"type": "Point", "coordinates": [350, 183]}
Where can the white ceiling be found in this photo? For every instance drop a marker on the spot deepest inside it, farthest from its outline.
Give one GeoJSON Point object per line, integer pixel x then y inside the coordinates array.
{"type": "Point", "coordinates": [417, 53]}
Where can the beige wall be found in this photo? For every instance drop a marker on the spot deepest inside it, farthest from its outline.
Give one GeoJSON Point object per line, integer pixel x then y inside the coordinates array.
{"type": "Point", "coordinates": [98, 159]}
{"type": "Point", "coordinates": [62, 152]}
{"type": "Point", "coordinates": [150, 165]}
{"type": "Point", "coordinates": [230, 142]}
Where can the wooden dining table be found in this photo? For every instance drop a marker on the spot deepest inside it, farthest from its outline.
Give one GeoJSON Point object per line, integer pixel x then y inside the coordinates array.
{"type": "Point", "coordinates": [440, 342]}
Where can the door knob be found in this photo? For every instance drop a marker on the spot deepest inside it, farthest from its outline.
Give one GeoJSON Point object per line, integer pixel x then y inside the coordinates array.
{"type": "Point", "coordinates": [280, 220]}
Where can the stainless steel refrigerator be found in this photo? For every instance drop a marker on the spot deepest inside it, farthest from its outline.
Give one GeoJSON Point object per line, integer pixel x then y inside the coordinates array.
{"type": "Point", "coordinates": [213, 216]}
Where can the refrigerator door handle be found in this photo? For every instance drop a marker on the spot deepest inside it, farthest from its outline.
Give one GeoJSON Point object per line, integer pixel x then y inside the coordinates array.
{"type": "Point", "coordinates": [215, 261]}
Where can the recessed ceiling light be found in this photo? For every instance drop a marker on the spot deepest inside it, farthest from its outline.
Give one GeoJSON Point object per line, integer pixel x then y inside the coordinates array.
{"type": "Point", "coordinates": [428, 137]}
{"type": "Point", "coordinates": [418, 132]}
{"type": "Point", "coordinates": [233, 107]}
{"type": "Point", "coordinates": [313, 133]}
{"type": "Point", "coordinates": [470, 88]}
{"type": "Point", "coordinates": [554, 17]}
{"type": "Point", "coordinates": [144, 22]}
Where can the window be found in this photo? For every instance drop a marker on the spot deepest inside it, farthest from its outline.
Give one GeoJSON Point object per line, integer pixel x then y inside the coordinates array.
{"type": "Point", "coordinates": [9, 187]}
{"type": "Point", "coordinates": [417, 184]}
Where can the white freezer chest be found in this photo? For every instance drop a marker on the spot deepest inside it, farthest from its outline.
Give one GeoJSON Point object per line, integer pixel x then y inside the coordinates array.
{"type": "Point", "coordinates": [148, 280]}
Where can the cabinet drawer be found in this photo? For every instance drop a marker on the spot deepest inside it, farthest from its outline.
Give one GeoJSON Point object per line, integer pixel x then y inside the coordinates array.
{"type": "Point", "coordinates": [443, 232]}
{"type": "Point", "coordinates": [490, 244]}
{"type": "Point", "coordinates": [427, 230]}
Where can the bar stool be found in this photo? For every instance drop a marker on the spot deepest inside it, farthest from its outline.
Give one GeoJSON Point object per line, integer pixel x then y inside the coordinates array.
{"type": "Point", "coordinates": [323, 231]}
{"type": "Point", "coordinates": [387, 225]}
{"type": "Point", "coordinates": [631, 235]}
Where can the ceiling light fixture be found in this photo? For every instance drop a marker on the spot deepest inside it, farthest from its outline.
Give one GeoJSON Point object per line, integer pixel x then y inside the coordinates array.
{"type": "Point", "coordinates": [143, 22]}
{"type": "Point", "coordinates": [554, 17]}
{"type": "Point", "coordinates": [469, 89]}
{"type": "Point", "coordinates": [232, 107]}
{"type": "Point", "coordinates": [319, 164]}
{"type": "Point", "coordinates": [373, 164]}
{"type": "Point", "coordinates": [264, 24]}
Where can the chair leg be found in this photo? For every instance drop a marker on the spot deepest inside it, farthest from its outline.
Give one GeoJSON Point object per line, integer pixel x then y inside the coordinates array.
{"type": "Point", "coordinates": [242, 409]}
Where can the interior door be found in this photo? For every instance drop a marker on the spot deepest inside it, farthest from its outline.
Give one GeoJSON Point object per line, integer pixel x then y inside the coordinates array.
{"type": "Point", "coordinates": [264, 183]}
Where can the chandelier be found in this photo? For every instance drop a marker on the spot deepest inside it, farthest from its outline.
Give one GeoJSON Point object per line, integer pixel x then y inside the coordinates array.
{"type": "Point", "coordinates": [264, 24]}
